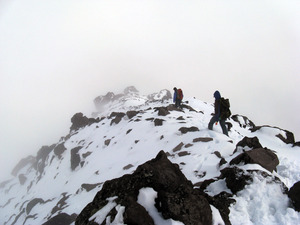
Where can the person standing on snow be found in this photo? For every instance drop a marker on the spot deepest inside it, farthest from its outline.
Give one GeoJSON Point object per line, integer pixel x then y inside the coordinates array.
{"type": "Point", "coordinates": [217, 117]}
{"type": "Point", "coordinates": [177, 97]}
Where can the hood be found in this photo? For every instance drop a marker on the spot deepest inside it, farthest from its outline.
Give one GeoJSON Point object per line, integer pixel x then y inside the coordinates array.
{"type": "Point", "coordinates": [217, 95]}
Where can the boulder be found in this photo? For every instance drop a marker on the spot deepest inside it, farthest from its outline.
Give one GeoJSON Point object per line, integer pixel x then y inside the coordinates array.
{"type": "Point", "coordinates": [262, 156]}
{"type": "Point", "coordinates": [78, 121]}
{"type": "Point", "coordinates": [59, 150]}
{"type": "Point", "coordinates": [176, 197]}
{"type": "Point", "coordinates": [294, 195]}
{"type": "Point", "coordinates": [235, 178]}
{"type": "Point", "coordinates": [61, 219]}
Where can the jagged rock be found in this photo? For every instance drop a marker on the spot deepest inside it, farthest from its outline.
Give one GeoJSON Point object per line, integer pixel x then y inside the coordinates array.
{"type": "Point", "coordinates": [235, 178]}
{"type": "Point", "coordinates": [158, 122]}
{"type": "Point", "coordinates": [130, 89]}
{"type": "Point", "coordinates": [117, 117]}
{"type": "Point", "coordinates": [184, 130]}
{"type": "Point", "coordinates": [79, 121]}
{"type": "Point", "coordinates": [249, 142]}
{"type": "Point", "coordinates": [289, 139]}
{"type": "Point", "coordinates": [176, 197]}
{"type": "Point", "coordinates": [203, 139]}
{"type": "Point", "coordinates": [22, 179]}
{"type": "Point", "coordinates": [222, 202]}
{"type": "Point", "coordinates": [23, 162]}
{"type": "Point", "coordinates": [131, 114]}
{"type": "Point", "coordinates": [243, 121]}
{"type": "Point", "coordinates": [162, 111]}
{"type": "Point", "coordinates": [163, 95]}
{"type": "Point", "coordinates": [41, 157]}
{"type": "Point", "coordinates": [128, 131]}
{"type": "Point", "coordinates": [59, 150]}
{"type": "Point", "coordinates": [262, 156]}
{"type": "Point", "coordinates": [61, 219]}
{"type": "Point", "coordinates": [294, 195]}
{"type": "Point", "coordinates": [75, 157]}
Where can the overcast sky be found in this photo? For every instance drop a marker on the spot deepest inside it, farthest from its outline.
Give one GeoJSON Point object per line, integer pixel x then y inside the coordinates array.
{"type": "Point", "coordinates": [56, 56]}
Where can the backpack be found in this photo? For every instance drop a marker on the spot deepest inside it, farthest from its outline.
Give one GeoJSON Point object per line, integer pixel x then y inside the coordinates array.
{"type": "Point", "coordinates": [179, 94]}
{"type": "Point", "coordinates": [224, 108]}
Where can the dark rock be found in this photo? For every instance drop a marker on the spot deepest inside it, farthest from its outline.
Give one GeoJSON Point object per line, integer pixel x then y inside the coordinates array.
{"type": "Point", "coordinates": [296, 144]}
{"type": "Point", "coordinates": [136, 214]}
{"type": "Point", "coordinates": [128, 131]}
{"type": "Point", "coordinates": [261, 156]}
{"type": "Point", "coordinates": [222, 202]}
{"type": "Point", "coordinates": [131, 114]}
{"type": "Point", "coordinates": [22, 179]}
{"type": "Point", "coordinates": [249, 142]}
{"type": "Point", "coordinates": [184, 153]}
{"type": "Point", "coordinates": [222, 162]}
{"type": "Point", "coordinates": [188, 145]}
{"type": "Point", "coordinates": [176, 197]}
{"type": "Point", "coordinates": [75, 157]}
{"type": "Point", "coordinates": [243, 121]}
{"type": "Point", "coordinates": [127, 167]}
{"type": "Point", "coordinates": [184, 130]}
{"type": "Point", "coordinates": [23, 162]}
{"type": "Point", "coordinates": [59, 150]}
{"type": "Point", "coordinates": [236, 179]}
{"type": "Point", "coordinates": [178, 147]}
{"type": "Point", "coordinates": [60, 204]}
{"type": "Point", "coordinates": [107, 142]}
{"type": "Point", "coordinates": [33, 203]}
{"type": "Point", "coordinates": [158, 122]}
{"type": "Point", "coordinates": [289, 139]}
{"type": "Point", "coordinates": [41, 157]}
{"type": "Point", "coordinates": [162, 111]}
{"type": "Point", "coordinates": [78, 121]}
{"type": "Point", "coordinates": [85, 155]}
{"type": "Point", "coordinates": [180, 118]}
{"type": "Point", "coordinates": [117, 117]}
{"type": "Point", "coordinates": [89, 187]}
{"type": "Point", "coordinates": [61, 219]}
{"type": "Point", "coordinates": [203, 139]}
{"type": "Point", "coordinates": [218, 154]}
{"type": "Point", "coordinates": [294, 195]}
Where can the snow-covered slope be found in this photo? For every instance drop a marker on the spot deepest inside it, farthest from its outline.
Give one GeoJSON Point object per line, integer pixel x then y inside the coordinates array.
{"type": "Point", "coordinates": [65, 177]}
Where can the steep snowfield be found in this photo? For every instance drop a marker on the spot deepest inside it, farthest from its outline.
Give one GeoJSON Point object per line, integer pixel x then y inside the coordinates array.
{"type": "Point", "coordinates": [112, 150]}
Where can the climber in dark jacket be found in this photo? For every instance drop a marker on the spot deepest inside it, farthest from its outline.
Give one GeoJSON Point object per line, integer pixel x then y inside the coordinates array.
{"type": "Point", "coordinates": [176, 100]}
{"type": "Point", "coordinates": [216, 117]}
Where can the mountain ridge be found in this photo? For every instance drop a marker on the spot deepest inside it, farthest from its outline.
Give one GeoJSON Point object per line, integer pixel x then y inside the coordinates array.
{"type": "Point", "coordinates": [127, 131]}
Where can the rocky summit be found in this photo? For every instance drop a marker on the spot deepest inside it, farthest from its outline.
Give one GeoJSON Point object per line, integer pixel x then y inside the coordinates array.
{"type": "Point", "coordinates": [140, 160]}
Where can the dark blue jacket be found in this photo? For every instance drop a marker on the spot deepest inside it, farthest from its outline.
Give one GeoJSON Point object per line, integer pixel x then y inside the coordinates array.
{"type": "Point", "coordinates": [217, 96]}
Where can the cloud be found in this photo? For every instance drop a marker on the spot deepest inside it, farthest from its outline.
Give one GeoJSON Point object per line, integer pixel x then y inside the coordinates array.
{"type": "Point", "coordinates": [56, 57]}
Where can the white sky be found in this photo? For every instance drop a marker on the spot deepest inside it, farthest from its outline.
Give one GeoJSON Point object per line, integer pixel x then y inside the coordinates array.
{"type": "Point", "coordinates": [57, 56]}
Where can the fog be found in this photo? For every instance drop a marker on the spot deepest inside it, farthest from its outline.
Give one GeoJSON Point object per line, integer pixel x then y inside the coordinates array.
{"type": "Point", "coordinates": [57, 56]}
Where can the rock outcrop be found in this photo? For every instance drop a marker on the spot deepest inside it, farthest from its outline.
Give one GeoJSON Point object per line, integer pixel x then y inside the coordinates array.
{"type": "Point", "coordinates": [176, 197]}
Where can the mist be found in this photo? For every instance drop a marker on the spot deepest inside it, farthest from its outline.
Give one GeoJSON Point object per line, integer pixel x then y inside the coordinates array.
{"type": "Point", "coordinates": [57, 56]}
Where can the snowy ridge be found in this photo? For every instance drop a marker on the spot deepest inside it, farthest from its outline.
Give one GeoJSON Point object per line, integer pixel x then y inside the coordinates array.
{"type": "Point", "coordinates": [63, 178]}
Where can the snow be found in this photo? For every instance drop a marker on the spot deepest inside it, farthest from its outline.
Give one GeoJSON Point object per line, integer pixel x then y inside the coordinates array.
{"type": "Point", "coordinates": [261, 202]}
